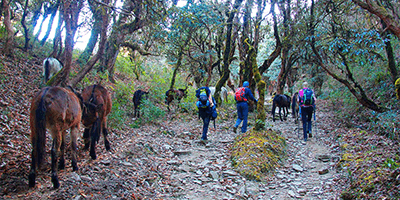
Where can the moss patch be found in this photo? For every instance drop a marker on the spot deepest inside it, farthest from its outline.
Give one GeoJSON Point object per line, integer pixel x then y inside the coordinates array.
{"type": "Point", "coordinates": [255, 153]}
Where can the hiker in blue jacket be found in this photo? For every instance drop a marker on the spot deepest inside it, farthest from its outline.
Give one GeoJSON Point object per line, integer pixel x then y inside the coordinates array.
{"type": "Point", "coordinates": [206, 105]}
{"type": "Point", "coordinates": [306, 109]}
{"type": "Point", "coordinates": [242, 95]}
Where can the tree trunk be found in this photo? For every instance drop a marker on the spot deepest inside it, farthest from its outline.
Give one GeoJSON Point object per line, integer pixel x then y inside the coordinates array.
{"type": "Point", "coordinates": [9, 40]}
{"type": "Point", "coordinates": [371, 6]}
{"type": "Point", "coordinates": [228, 49]}
{"type": "Point", "coordinates": [179, 61]}
{"type": "Point", "coordinates": [354, 88]}
{"type": "Point", "coordinates": [71, 16]}
{"type": "Point", "coordinates": [260, 122]}
{"type": "Point", "coordinates": [53, 10]}
{"type": "Point", "coordinates": [390, 55]}
{"type": "Point", "coordinates": [103, 38]}
{"type": "Point", "coordinates": [94, 35]}
{"type": "Point", "coordinates": [57, 42]}
{"type": "Point", "coordinates": [278, 45]}
{"type": "Point", "coordinates": [285, 65]}
{"type": "Point", "coordinates": [23, 23]}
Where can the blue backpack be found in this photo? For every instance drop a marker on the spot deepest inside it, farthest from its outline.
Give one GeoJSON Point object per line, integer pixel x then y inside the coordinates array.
{"type": "Point", "coordinates": [203, 103]}
{"type": "Point", "coordinates": [308, 97]}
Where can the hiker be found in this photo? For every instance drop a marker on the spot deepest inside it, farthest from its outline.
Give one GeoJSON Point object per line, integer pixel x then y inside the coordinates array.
{"type": "Point", "coordinates": [307, 106]}
{"type": "Point", "coordinates": [207, 109]}
{"type": "Point", "coordinates": [242, 95]}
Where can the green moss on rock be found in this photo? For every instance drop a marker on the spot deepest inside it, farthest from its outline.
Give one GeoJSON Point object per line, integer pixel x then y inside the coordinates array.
{"type": "Point", "coordinates": [255, 153]}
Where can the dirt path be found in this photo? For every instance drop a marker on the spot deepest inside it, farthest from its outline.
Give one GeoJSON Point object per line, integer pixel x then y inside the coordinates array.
{"type": "Point", "coordinates": [204, 171]}
{"type": "Point", "coordinates": [167, 161]}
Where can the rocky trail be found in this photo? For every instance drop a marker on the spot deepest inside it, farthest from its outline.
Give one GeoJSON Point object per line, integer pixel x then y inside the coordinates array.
{"type": "Point", "coordinates": [168, 161]}
{"type": "Point", "coordinates": [204, 171]}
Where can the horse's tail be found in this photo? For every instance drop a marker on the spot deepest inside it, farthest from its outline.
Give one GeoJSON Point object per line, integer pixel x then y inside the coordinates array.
{"type": "Point", "coordinates": [96, 130]}
{"type": "Point", "coordinates": [273, 108]}
{"type": "Point", "coordinates": [46, 70]}
{"type": "Point", "coordinates": [39, 139]}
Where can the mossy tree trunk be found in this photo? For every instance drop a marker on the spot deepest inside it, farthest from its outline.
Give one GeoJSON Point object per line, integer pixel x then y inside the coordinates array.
{"type": "Point", "coordinates": [260, 121]}
{"type": "Point", "coordinates": [227, 52]}
{"type": "Point", "coordinates": [390, 55]}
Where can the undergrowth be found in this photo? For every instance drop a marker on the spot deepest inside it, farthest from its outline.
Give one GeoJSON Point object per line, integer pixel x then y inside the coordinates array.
{"type": "Point", "coordinates": [371, 166]}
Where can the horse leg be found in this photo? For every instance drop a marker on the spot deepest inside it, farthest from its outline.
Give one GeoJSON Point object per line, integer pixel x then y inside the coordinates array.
{"type": "Point", "coordinates": [136, 107]}
{"type": "Point", "coordinates": [74, 147]}
{"type": "Point", "coordinates": [284, 113]}
{"type": "Point", "coordinates": [105, 133]}
{"type": "Point", "coordinates": [61, 162]}
{"type": "Point", "coordinates": [138, 112]}
{"type": "Point", "coordinates": [32, 173]}
{"type": "Point", "coordinates": [273, 112]}
{"type": "Point", "coordinates": [280, 116]}
{"type": "Point", "coordinates": [55, 152]}
{"type": "Point", "coordinates": [86, 138]}
{"type": "Point", "coordinates": [93, 141]}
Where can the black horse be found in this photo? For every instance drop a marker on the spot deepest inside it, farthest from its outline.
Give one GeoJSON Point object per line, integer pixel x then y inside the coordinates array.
{"type": "Point", "coordinates": [295, 107]}
{"type": "Point", "coordinates": [282, 101]}
{"type": "Point", "coordinates": [138, 96]}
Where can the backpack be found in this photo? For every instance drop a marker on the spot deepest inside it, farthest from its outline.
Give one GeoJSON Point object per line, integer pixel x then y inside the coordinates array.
{"type": "Point", "coordinates": [308, 97]}
{"type": "Point", "coordinates": [239, 94]}
{"type": "Point", "coordinates": [203, 103]}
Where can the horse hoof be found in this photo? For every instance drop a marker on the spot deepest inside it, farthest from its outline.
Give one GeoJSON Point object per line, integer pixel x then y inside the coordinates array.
{"type": "Point", "coordinates": [108, 146]}
{"type": "Point", "coordinates": [56, 183]}
{"type": "Point", "coordinates": [32, 182]}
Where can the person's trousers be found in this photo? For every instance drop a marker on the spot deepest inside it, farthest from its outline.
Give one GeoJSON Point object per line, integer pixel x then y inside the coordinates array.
{"type": "Point", "coordinates": [243, 112]}
{"type": "Point", "coordinates": [306, 116]}
{"type": "Point", "coordinates": [206, 123]}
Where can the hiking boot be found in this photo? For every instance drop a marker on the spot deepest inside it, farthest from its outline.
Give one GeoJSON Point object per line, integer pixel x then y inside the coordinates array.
{"type": "Point", "coordinates": [234, 129]}
{"type": "Point", "coordinates": [309, 134]}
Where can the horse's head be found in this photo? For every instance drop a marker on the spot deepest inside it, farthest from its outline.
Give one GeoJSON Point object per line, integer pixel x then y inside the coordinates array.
{"type": "Point", "coordinates": [183, 92]}
{"type": "Point", "coordinates": [169, 96]}
{"type": "Point", "coordinates": [90, 113]}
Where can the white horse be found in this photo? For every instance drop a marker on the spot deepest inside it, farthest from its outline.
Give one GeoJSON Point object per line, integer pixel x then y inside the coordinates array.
{"type": "Point", "coordinates": [50, 67]}
{"type": "Point", "coordinates": [224, 93]}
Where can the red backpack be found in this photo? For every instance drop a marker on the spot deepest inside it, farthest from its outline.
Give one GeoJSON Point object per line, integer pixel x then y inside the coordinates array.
{"type": "Point", "coordinates": [239, 94]}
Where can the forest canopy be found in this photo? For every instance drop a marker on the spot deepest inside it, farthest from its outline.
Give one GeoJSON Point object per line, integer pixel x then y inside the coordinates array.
{"type": "Point", "coordinates": [336, 45]}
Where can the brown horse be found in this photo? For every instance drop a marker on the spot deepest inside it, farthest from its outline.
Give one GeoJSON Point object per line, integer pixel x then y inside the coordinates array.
{"type": "Point", "coordinates": [172, 94]}
{"type": "Point", "coordinates": [96, 106]}
{"type": "Point", "coordinates": [56, 109]}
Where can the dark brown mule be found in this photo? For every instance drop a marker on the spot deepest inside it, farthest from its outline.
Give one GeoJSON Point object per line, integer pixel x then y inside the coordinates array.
{"type": "Point", "coordinates": [177, 94]}
{"type": "Point", "coordinates": [96, 106]}
{"type": "Point", "coordinates": [138, 96]}
{"type": "Point", "coordinates": [56, 109]}
{"type": "Point", "coordinates": [281, 101]}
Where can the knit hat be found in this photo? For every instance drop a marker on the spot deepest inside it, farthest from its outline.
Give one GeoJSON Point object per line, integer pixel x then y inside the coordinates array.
{"type": "Point", "coordinates": [245, 84]}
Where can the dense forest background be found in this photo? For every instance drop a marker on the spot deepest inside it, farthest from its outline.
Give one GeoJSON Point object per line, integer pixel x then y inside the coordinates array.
{"type": "Point", "coordinates": [347, 50]}
{"type": "Point", "coordinates": [343, 48]}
